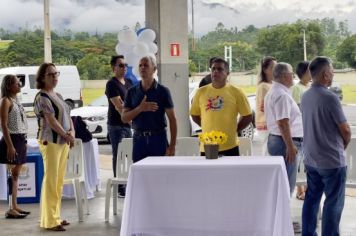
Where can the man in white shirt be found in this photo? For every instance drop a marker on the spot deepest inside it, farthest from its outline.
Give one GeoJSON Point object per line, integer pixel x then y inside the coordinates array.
{"type": "Point", "coordinates": [284, 121]}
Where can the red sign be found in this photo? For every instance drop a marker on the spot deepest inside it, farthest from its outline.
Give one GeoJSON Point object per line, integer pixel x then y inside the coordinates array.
{"type": "Point", "coordinates": [175, 50]}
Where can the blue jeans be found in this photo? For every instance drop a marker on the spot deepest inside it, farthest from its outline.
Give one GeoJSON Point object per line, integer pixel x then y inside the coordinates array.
{"type": "Point", "coordinates": [116, 134]}
{"type": "Point", "coordinates": [332, 183]}
{"type": "Point", "coordinates": [277, 147]}
{"type": "Point", "coordinates": [144, 146]}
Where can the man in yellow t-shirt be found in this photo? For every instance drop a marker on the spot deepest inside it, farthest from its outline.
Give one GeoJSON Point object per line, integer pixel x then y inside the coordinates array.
{"type": "Point", "coordinates": [216, 106]}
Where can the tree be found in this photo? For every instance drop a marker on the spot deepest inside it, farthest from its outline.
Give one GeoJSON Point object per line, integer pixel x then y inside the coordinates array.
{"type": "Point", "coordinates": [88, 67]}
{"type": "Point", "coordinates": [346, 52]}
{"type": "Point", "coordinates": [285, 41]}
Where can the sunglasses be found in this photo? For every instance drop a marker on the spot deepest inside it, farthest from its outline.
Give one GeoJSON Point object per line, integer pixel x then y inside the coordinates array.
{"type": "Point", "coordinates": [121, 65]}
{"type": "Point", "coordinates": [54, 74]}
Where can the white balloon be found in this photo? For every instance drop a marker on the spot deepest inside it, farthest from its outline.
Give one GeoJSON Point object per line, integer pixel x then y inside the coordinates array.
{"type": "Point", "coordinates": [127, 36]}
{"type": "Point", "coordinates": [140, 48]}
{"type": "Point", "coordinates": [117, 49]}
{"type": "Point", "coordinates": [123, 49]}
{"type": "Point", "coordinates": [147, 36]}
{"type": "Point", "coordinates": [132, 59]}
{"type": "Point", "coordinates": [152, 48]}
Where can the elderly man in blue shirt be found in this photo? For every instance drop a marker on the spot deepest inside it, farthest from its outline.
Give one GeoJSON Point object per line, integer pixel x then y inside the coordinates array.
{"type": "Point", "coordinates": [326, 136]}
{"type": "Point", "coordinates": [146, 105]}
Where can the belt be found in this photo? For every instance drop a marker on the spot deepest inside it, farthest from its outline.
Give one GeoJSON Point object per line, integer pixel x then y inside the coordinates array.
{"type": "Point", "coordinates": [297, 139]}
{"type": "Point", "coordinates": [148, 132]}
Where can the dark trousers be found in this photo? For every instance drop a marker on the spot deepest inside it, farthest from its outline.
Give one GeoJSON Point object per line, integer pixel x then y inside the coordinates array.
{"type": "Point", "coordinates": [230, 152]}
{"type": "Point", "coordinates": [152, 145]}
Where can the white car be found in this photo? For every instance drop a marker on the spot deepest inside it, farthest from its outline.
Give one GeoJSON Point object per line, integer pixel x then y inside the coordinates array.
{"type": "Point", "coordinates": [95, 115]}
{"type": "Point", "coordinates": [196, 129]}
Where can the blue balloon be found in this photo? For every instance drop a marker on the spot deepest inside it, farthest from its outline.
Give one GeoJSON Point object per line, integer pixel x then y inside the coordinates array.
{"type": "Point", "coordinates": [140, 30]}
{"type": "Point", "coordinates": [129, 75]}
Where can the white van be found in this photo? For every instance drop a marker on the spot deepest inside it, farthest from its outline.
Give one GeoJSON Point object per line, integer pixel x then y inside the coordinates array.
{"type": "Point", "coordinates": [68, 84]}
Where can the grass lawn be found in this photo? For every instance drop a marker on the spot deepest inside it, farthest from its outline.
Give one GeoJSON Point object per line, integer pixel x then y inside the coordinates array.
{"type": "Point", "coordinates": [349, 92]}
{"type": "Point", "coordinates": [4, 45]}
{"type": "Point", "coordinates": [90, 94]}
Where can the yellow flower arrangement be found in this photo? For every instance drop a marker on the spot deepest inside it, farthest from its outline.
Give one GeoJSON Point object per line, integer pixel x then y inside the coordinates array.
{"type": "Point", "coordinates": [213, 137]}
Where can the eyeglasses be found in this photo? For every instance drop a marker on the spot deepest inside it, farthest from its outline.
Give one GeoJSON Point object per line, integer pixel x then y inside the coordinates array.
{"type": "Point", "coordinates": [54, 74]}
{"type": "Point", "coordinates": [121, 65]}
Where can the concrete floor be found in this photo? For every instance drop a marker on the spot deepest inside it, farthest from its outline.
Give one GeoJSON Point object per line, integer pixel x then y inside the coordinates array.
{"type": "Point", "coordinates": [94, 223]}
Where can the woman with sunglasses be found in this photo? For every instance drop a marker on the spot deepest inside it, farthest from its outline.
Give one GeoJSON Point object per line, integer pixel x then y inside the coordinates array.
{"type": "Point", "coordinates": [55, 137]}
{"type": "Point", "coordinates": [13, 143]}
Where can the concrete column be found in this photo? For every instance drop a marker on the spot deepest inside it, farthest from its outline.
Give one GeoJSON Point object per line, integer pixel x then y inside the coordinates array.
{"type": "Point", "coordinates": [169, 19]}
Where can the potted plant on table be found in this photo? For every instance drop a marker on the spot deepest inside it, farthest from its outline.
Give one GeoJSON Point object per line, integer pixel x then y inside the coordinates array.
{"type": "Point", "coordinates": [211, 141]}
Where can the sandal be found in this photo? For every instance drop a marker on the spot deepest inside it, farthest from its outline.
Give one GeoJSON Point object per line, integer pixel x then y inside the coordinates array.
{"type": "Point", "coordinates": [64, 223]}
{"type": "Point", "coordinates": [57, 228]}
{"type": "Point", "coordinates": [14, 216]}
{"type": "Point", "coordinates": [23, 212]}
{"type": "Point", "coordinates": [300, 196]}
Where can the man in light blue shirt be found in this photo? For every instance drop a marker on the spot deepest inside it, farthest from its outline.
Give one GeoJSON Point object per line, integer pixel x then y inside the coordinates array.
{"type": "Point", "coordinates": [326, 136]}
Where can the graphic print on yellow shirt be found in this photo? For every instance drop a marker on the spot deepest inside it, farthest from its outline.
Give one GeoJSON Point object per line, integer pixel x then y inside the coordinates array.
{"type": "Point", "coordinates": [215, 103]}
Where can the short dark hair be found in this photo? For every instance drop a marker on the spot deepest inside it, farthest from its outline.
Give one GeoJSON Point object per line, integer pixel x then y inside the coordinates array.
{"type": "Point", "coordinates": [211, 61]}
{"type": "Point", "coordinates": [220, 60]}
{"type": "Point", "coordinates": [265, 62]}
{"type": "Point", "coordinates": [114, 59]}
{"type": "Point", "coordinates": [302, 68]}
{"type": "Point", "coordinates": [317, 65]}
{"type": "Point", "coordinates": [41, 73]}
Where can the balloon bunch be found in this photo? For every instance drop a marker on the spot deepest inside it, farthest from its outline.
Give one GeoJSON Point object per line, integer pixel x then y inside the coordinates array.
{"type": "Point", "coordinates": [135, 46]}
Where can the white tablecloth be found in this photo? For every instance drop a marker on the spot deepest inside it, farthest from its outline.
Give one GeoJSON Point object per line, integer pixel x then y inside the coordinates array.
{"type": "Point", "coordinates": [92, 171]}
{"type": "Point", "coordinates": [194, 196]}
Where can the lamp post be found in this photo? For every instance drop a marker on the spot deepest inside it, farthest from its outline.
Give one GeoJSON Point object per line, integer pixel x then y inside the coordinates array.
{"type": "Point", "coordinates": [193, 36]}
{"type": "Point", "coordinates": [304, 46]}
{"type": "Point", "coordinates": [47, 34]}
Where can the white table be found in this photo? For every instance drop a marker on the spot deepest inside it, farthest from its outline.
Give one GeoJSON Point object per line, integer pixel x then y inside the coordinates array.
{"type": "Point", "coordinates": [92, 171]}
{"type": "Point", "coordinates": [177, 196]}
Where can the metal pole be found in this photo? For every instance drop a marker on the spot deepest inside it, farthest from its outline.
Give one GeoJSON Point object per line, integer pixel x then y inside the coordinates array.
{"type": "Point", "coordinates": [304, 46]}
{"type": "Point", "coordinates": [47, 34]}
{"type": "Point", "coordinates": [193, 36]}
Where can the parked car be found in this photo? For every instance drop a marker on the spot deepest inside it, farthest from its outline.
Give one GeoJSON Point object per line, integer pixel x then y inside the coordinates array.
{"type": "Point", "coordinates": [68, 84]}
{"type": "Point", "coordinates": [336, 88]}
{"type": "Point", "coordinates": [95, 115]}
{"type": "Point", "coordinates": [247, 132]}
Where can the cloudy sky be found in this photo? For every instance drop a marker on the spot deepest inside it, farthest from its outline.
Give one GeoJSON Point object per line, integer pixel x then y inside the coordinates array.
{"type": "Point", "coordinates": [113, 15]}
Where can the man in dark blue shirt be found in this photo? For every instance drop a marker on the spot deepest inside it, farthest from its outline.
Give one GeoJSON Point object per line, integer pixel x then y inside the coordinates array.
{"type": "Point", "coordinates": [146, 105]}
{"type": "Point", "coordinates": [115, 91]}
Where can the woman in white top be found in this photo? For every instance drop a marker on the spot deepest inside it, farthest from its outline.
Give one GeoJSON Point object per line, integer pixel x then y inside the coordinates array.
{"type": "Point", "coordinates": [13, 143]}
{"type": "Point", "coordinates": [264, 85]}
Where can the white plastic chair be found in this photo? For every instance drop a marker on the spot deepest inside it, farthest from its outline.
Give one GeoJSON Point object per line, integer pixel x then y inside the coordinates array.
{"type": "Point", "coordinates": [351, 164]}
{"type": "Point", "coordinates": [187, 146]}
{"type": "Point", "coordinates": [75, 175]}
{"type": "Point", "coordinates": [124, 161]}
{"type": "Point", "coordinates": [245, 146]}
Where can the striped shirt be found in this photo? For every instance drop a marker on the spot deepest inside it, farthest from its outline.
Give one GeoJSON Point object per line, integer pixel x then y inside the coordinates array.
{"type": "Point", "coordinates": [51, 104]}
